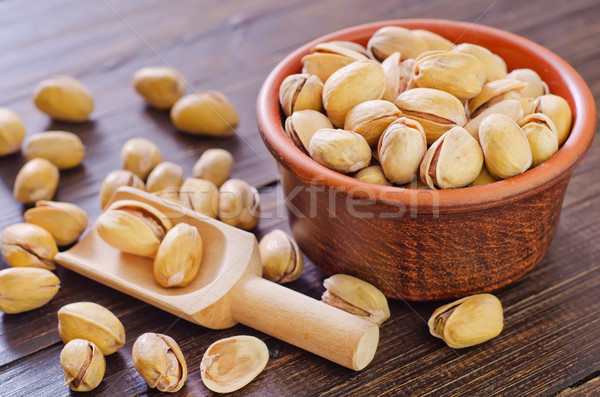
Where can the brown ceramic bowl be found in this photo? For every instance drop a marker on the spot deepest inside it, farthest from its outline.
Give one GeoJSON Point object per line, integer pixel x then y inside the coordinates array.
{"type": "Point", "coordinates": [421, 244]}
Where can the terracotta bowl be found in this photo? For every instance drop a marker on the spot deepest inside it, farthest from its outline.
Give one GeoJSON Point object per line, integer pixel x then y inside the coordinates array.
{"type": "Point", "coordinates": [422, 244]}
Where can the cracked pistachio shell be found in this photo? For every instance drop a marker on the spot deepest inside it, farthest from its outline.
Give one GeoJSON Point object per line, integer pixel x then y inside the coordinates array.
{"type": "Point", "coordinates": [434, 41]}
{"type": "Point", "coordinates": [205, 113]}
{"type": "Point", "coordinates": [63, 149]}
{"type": "Point", "coordinates": [326, 58]}
{"type": "Point", "coordinates": [300, 92]}
{"type": "Point", "coordinates": [483, 178]}
{"type": "Point", "coordinates": [302, 125]}
{"type": "Point", "coordinates": [346, 44]}
{"type": "Point", "coordinates": [90, 321]}
{"type": "Point", "coordinates": [353, 84]}
{"type": "Point", "coordinates": [340, 150]}
{"type": "Point", "coordinates": [36, 180]}
{"type": "Point", "coordinates": [398, 74]}
{"type": "Point", "coordinates": [239, 204]}
{"type": "Point", "coordinates": [542, 136]}
{"type": "Point", "coordinates": [64, 221]}
{"type": "Point", "coordinates": [116, 179]}
{"type": "Point", "coordinates": [494, 92]}
{"type": "Point", "coordinates": [401, 150]}
{"type": "Point", "coordinates": [83, 365]}
{"type": "Point", "coordinates": [356, 297]}
{"type": "Point", "coordinates": [165, 175]}
{"type": "Point", "coordinates": [453, 161]}
{"type": "Point", "coordinates": [214, 165]}
{"type": "Point", "coordinates": [160, 86]}
{"type": "Point", "coordinates": [12, 132]}
{"type": "Point", "coordinates": [140, 156]}
{"type": "Point", "coordinates": [390, 39]}
{"type": "Point", "coordinates": [27, 245]}
{"type": "Point", "coordinates": [461, 75]}
{"type": "Point", "coordinates": [231, 363]}
{"type": "Point", "coordinates": [505, 146]}
{"type": "Point", "coordinates": [281, 258]}
{"type": "Point", "coordinates": [200, 195]}
{"type": "Point", "coordinates": [64, 98]}
{"type": "Point", "coordinates": [179, 256]}
{"type": "Point", "coordinates": [495, 67]}
{"type": "Point", "coordinates": [535, 85]}
{"type": "Point", "coordinates": [133, 227]}
{"type": "Point", "coordinates": [372, 174]}
{"type": "Point", "coordinates": [468, 321]}
{"type": "Point", "coordinates": [371, 118]}
{"type": "Point", "coordinates": [437, 111]}
{"type": "Point", "coordinates": [511, 108]}
{"type": "Point", "coordinates": [159, 360]}
{"type": "Point", "coordinates": [559, 112]}
{"type": "Point", "coordinates": [528, 105]}
{"type": "Point", "coordinates": [26, 288]}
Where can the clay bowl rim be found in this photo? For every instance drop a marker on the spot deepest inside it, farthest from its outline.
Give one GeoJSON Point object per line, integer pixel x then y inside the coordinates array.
{"type": "Point", "coordinates": [456, 200]}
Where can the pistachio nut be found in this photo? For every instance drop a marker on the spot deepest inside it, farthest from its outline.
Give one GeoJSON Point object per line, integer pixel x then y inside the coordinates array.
{"type": "Point", "coordinates": [390, 39]}
{"type": "Point", "coordinates": [542, 136]}
{"type": "Point", "coordinates": [12, 131]}
{"type": "Point", "coordinates": [461, 75]}
{"type": "Point", "coordinates": [353, 84]}
{"type": "Point", "coordinates": [357, 297]}
{"type": "Point", "coordinates": [83, 365]}
{"type": "Point", "coordinates": [326, 58]}
{"type": "Point", "coordinates": [116, 179]}
{"type": "Point", "coordinates": [64, 221]}
{"type": "Point", "coordinates": [372, 174]}
{"type": "Point", "coordinates": [160, 86]}
{"type": "Point", "coordinates": [398, 74]}
{"type": "Point", "coordinates": [205, 113]}
{"type": "Point", "coordinates": [528, 105]}
{"type": "Point", "coordinates": [159, 360]}
{"type": "Point", "coordinates": [281, 257]}
{"type": "Point", "coordinates": [468, 321]}
{"type": "Point", "coordinates": [239, 204]}
{"type": "Point", "coordinates": [200, 195]}
{"type": "Point", "coordinates": [133, 227]}
{"type": "Point", "coordinates": [27, 245]}
{"type": "Point", "coordinates": [341, 150]}
{"type": "Point", "coordinates": [349, 45]}
{"type": "Point", "coordinates": [179, 256]}
{"type": "Point", "coordinates": [535, 85]}
{"type": "Point", "coordinates": [495, 67]}
{"type": "Point", "coordinates": [505, 146]}
{"type": "Point", "coordinates": [434, 41]}
{"type": "Point", "coordinates": [437, 111]}
{"type": "Point", "coordinates": [483, 178]}
{"type": "Point", "coordinates": [64, 98]}
{"type": "Point", "coordinates": [231, 363]}
{"type": "Point", "coordinates": [401, 150]}
{"type": "Point", "coordinates": [26, 288]}
{"type": "Point", "coordinates": [559, 112]}
{"type": "Point", "coordinates": [140, 156]}
{"type": "Point", "coordinates": [61, 148]}
{"type": "Point", "coordinates": [371, 118]}
{"type": "Point", "coordinates": [453, 161]}
{"type": "Point", "coordinates": [36, 180]}
{"type": "Point", "coordinates": [494, 92]}
{"type": "Point", "coordinates": [510, 107]}
{"type": "Point", "coordinates": [214, 165]}
{"type": "Point", "coordinates": [299, 92]}
{"type": "Point", "coordinates": [302, 125]}
{"type": "Point", "coordinates": [164, 176]}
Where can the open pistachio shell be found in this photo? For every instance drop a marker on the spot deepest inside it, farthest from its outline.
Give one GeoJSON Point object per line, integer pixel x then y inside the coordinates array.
{"type": "Point", "coordinates": [27, 245]}
{"type": "Point", "coordinates": [559, 112]}
{"type": "Point", "coordinates": [326, 58]}
{"type": "Point", "coordinates": [494, 92]}
{"type": "Point", "coordinates": [83, 365]}
{"type": "Point", "coordinates": [542, 136]}
{"type": "Point", "coordinates": [390, 39]}
{"type": "Point", "coordinates": [398, 74]}
{"type": "Point", "coordinates": [371, 118]}
{"type": "Point", "coordinates": [159, 360]}
{"type": "Point", "coordinates": [535, 85]}
{"type": "Point", "coordinates": [281, 257]}
{"type": "Point", "coordinates": [299, 92]}
{"type": "Point", "coordinates": [510, 107]}
{"type": "Point", "coordinates": [302, 125]}
{"type": "Point", "coordinates": [495, 67]}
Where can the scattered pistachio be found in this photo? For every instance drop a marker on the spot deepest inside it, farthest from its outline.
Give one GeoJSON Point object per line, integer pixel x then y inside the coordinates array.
{"type": "Point", "coordinates": [160, 86]}
{"type": "Point", "coordinates": [36, 180]}
{"type": "Point", "coordinates": [61, 148]}
{"type": "Point", "coordinates": [140, 156]}
{"type": "Point", "coordinates": [12, 131]}
{"type": "Point", "coordinates": [205, 113]}
{"type": "Point", "coordinates": [64, 221]}
{"type": "Point", "coordinates": [214, 165]}
{"type": "Point", "coordinates": [159, 360]}
{"type": "Point", "coordinates": [116, 179]}
{"type": "Point", "coordinates": [27, 245]}
{"type": "Point", "coordinates": [83, 365]}
{"type": "Point", "coordinates": [26, 288]}
{"type": "Point", "coordinates": [64, 98]}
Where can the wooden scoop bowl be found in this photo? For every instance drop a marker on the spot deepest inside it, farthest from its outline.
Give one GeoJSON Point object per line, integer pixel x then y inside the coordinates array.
{"type": "Point", "coordinates": [228, 289]}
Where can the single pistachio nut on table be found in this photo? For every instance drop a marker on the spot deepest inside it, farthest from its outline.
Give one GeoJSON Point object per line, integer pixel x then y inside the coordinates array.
{"type": "Point", "coordinates": [302, 125]}
{"type": "Point", "coordinates": [140, 156]}
{"type": "Point", "coordinates": [36, 180]}
{"type": "Point", "coordinates": [542, 136]}
{"type": "Point", "coordinates": [166, 175]}
{"type": "Point", "coordinates": [557, 108]}
{"type": "Point", "coordinates": [205, 113]}
{"type": "Point", "coordinates": [159, 360]}
{"type": "Point", "coordinates": [494, 66]}
{"type": "Point", "coordinates": [511, 108]}
{"type": "Point", "coordinates": [179, 256]}
{"type": "Point", "coordinates": [26, 288]}
{"type": "Point", "coordinates": [239, 204]}
{"type": "Point", "coordinates": [231, 363]}
{"type": "Point", "coordinates": [468, 321]}
{"type": "Point", "coordinates": [391, 39]}
{"type": "Point", "coordinates": [340, 150]}
{"type": "Point", "coordinates": [92, 322]}
{"type": "Point", "coordinates": [83, 365]}
{"type": "Point", "coordinates": [12, 132]}
{"type": "Point", "coordinates": [494, 92]}
{"type": "Point", "coordinates": [64, 98]}
{"type": "Point", "coordinates": [200, 195]}
{"type": "Point", "coordinates": [535, 85]}
{"type": "Point", "coordinates": [357, 297]}
{"type": "Point", "coordinates": [371, 118]}
{"type": "Point", "coordinates": [214, 165]}
{"type": "Point", "coordinates": [398, 74]}
{"type": "Point", "coordinates": [116, 179]}
{"type": "Point", "coordinates": [300, 92]}
{"type": "Point", "coordinates": [434, 41]}
{"type": "Point", "coordinates": [326, 58]}
{"type": "Point", "coordinates": [160, 86]}
{"type": "Point", "coordinates": [66, 222]}
{"type": "Point", "coordinates": [372, 174]}
{"type": "Point", "coordinates": [133, 227]}
{"type": "Point", "coordinates": [281, 257]}
{"type": "Point", "coordinates": [483, 178]}
{"type": "Point", "coordinates": [27, 245]}
{"type": "Point", "coordinates": [63, 149]}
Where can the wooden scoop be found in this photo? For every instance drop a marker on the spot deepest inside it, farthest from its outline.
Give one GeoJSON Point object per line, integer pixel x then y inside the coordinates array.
{"type": "Point", "coordinates": [228, 289]}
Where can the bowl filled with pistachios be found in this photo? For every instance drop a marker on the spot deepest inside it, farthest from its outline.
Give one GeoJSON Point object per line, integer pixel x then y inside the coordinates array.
{"type": "Point", "coordinates": [428, 157]}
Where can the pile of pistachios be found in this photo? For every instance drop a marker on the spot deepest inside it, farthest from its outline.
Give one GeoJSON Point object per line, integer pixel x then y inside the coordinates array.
{"type": "Point", "coordinates": [413, 105]}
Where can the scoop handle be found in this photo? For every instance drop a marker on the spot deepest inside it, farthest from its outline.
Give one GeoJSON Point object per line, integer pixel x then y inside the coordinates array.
{"type": "Point", "coordinates": [304, 322]}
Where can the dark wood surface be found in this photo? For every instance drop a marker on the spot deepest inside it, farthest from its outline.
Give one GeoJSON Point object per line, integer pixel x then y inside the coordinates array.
{"type": "Point", "coordinates": [550, 343]}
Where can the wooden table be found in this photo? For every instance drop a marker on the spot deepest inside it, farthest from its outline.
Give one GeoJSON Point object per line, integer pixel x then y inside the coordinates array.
{"type": "Point", "coordinates": [550, 343]}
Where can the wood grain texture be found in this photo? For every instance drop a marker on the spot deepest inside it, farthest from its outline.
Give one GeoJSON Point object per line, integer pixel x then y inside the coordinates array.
{"type": "Point", "coordinates": [550, 341]}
